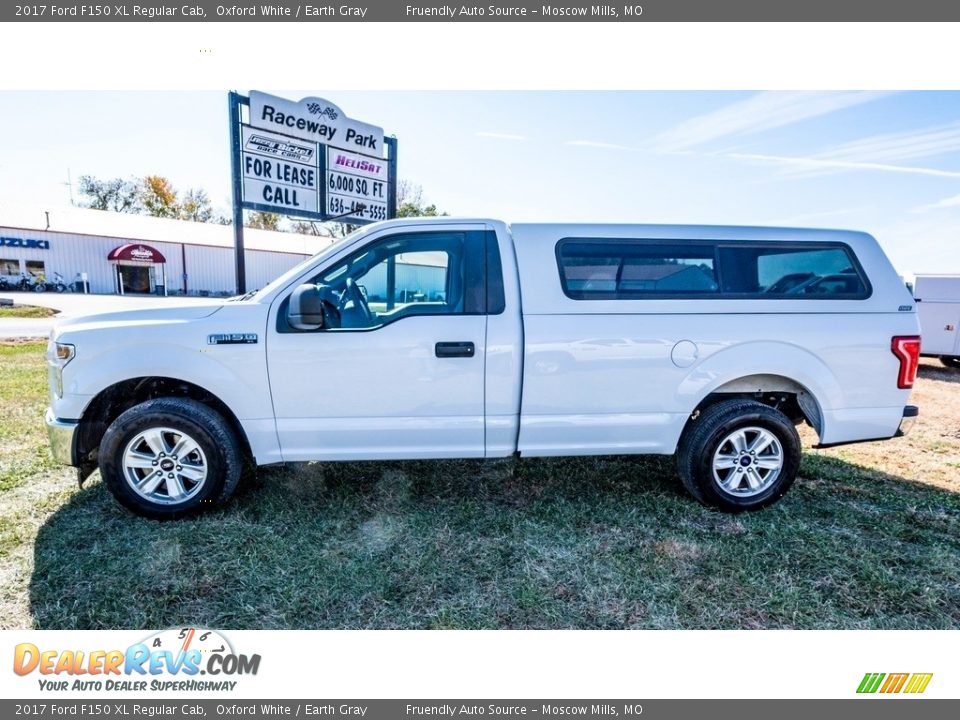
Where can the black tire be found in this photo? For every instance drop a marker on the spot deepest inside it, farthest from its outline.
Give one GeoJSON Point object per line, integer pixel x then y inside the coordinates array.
{"type": "Point", "coordinates": [214, 436]}
{"type": "Point", "coordinates": [950, 361]}
{"type": "Point", "coordinates": [703, 437]}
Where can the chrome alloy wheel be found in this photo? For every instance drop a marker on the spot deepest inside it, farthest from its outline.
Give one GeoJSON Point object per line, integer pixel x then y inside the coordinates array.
{"type": "Point", "coordinates": [164, 466]}
{"type": "Point", "coordinates": [747, 462]}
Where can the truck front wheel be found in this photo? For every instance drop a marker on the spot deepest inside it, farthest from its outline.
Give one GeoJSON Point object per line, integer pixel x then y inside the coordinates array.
{"type": "Point", "coordinates": [950, 361]}
{"type": "Point", "coordinates": [739, 455]}
{"type": "Point", "coordinates": [170, 457]}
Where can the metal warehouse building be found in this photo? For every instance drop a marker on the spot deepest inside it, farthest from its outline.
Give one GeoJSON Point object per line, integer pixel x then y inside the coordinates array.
{"type": "Point", "coordinates": [123, 253]}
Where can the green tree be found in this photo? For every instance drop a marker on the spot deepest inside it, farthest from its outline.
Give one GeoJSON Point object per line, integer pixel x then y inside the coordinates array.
{"type": "Point", "coordinates": [151, 195]}
{"type": "Point", "coordinates": [117, 194]}
{"type": "Point", "coordinates": [410, 201]}
{"type": "Point", "coordinates": [263, 221]}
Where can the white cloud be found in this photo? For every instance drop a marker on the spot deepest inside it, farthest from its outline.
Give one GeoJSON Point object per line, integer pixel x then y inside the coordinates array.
{"type": "Point", "coordinates": [807, 218]}
{"type": "Point", "coordinates": [763, 111]}
{"type": "Point", "coordinates": [926, 142]}
{"type": "Point", "coordinates": [598, 144]}
{"type": "Point", "coordinates": [879, 152]}
{"type": "Point", "coordinates": [500, 136]}
{"type": "Point", "coordinates": [943, 204]}
{"type": "Point", "coordinates": [818, 164]}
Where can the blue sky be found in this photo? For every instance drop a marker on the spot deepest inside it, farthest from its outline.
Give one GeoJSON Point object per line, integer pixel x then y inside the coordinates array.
{"type": "Point", "coordinates": [887, 163]}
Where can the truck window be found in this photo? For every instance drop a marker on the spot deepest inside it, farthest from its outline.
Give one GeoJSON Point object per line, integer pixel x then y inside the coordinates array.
{"type": "Point", "coordinates": [432, 273]}
{"type": "Point", "coordinates": [816, 272]}
{"type": "Point", "coordinates": [496, 301]}
{"type": "Point", "coordinates": [628, 269]}
{"type": "Point", "coordinates": [605, 269]}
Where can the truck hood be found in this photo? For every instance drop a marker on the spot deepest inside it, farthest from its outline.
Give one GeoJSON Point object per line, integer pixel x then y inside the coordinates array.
{"type": "Point", "coordinates": [173, 313]}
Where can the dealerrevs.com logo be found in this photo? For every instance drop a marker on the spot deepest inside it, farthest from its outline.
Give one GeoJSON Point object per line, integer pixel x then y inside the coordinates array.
{"type": "Point", "coordinates": [181, 659]}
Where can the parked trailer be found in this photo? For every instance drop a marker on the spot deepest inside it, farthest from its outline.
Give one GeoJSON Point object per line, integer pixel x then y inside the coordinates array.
{"type": "Point", "coordinates": [938, 308]}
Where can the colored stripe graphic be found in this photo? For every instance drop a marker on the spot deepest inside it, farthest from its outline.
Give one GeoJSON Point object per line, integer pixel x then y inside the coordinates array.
{"type": "Point", "coordinates": [870, 682]}
{"type": "Point", "coordinates": [894, 683]}
{"type": "Point", "coordinates": [918, 683]}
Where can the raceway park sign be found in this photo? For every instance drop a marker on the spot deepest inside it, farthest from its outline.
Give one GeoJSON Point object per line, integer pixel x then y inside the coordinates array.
{"type": "Point", "coordinates": [309, 159]}
{"type": "Point", "coordinates": [317, 120]}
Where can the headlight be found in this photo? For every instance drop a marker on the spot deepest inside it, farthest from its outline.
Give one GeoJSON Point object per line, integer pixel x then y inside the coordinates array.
{"type": "Point", "coordinates": [63, 352]}
{"type": "Point", "coordinates": [58, 355]}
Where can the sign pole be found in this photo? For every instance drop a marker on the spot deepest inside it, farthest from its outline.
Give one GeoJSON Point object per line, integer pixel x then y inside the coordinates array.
{"type": "Point", "coordinates": [237, 194]}
{"type": "Point", "coordinates": [391, 142]}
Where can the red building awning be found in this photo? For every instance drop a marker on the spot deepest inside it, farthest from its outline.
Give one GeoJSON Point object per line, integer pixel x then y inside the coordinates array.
{"type": "Point", "coordinates": [136, 252]}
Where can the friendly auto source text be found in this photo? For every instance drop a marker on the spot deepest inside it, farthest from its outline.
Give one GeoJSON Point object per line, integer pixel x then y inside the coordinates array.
{"type": "Point", "coordinates": [455, 11]}
{"type": "Point", "coordinates": [524, 710]}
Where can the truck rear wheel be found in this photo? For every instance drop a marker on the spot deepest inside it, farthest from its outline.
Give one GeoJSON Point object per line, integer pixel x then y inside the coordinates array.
{"type": "Point", "coordinates": [170, 457]}
{"type": "Point", "coordinates": [739, 455]}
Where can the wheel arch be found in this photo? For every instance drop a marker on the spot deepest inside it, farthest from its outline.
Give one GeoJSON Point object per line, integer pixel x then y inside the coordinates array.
{"type": "Point", "coordinates": [779, 374]}
{"type": "Point", "coordinates": [792, 398]}
{"type": "Point", "coordinates": [111, 401]}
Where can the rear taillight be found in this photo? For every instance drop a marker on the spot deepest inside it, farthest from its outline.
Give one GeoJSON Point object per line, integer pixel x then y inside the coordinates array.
{"type": "Point", "coordinates": [907, 350]}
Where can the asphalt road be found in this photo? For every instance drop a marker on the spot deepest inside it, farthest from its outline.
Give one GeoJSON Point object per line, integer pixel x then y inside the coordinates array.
{"type": "Point", "coordinates": [75, 304]}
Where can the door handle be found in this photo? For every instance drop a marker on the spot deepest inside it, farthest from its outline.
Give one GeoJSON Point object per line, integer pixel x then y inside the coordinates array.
{"type": "Point", "coordinates": [454, 349]}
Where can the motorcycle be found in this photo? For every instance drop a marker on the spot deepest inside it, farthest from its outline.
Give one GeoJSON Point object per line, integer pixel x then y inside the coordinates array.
{"type": "Point", "coordinates": [25, 283]}
{"type": "Point", "coordinates": [57, 285]}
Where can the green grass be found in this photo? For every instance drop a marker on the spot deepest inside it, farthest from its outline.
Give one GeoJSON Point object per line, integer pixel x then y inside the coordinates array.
{"type": "Point", "coordinates": [26, 311]}
{"type": "Point", "coordinates": [579, 542]}
{"type": "Point", "coordinates": [23, 396]}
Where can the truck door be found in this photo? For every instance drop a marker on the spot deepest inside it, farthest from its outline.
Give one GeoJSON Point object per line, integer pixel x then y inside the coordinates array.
{"type": "Point", "coordinates": [397, 370]}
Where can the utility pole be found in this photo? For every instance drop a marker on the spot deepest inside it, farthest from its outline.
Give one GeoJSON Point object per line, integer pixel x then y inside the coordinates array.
{"type": "Point", "coordinates": [69, 184]}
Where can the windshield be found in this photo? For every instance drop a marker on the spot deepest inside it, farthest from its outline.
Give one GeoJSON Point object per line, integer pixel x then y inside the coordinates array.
{"type": "Point", "coordinates": [301, 266]}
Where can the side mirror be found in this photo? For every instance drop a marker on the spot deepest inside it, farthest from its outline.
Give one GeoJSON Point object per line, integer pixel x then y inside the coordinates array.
{"type": "Point", "coordinates": [305, 311]}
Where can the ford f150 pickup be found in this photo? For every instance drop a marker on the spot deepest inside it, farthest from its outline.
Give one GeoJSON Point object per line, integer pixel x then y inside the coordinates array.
{"type": "Point", "coordinates": [474, 339]}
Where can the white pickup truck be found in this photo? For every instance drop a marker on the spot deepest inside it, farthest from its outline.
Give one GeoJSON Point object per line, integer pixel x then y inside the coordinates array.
{"type": "Point", "coordinates": [473, 339]}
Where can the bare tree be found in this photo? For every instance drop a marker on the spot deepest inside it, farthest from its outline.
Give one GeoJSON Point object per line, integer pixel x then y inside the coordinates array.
{"type": "Point", "coordinates": [118, 194]}
{"type": "Point", "coordinates": [196, 206]}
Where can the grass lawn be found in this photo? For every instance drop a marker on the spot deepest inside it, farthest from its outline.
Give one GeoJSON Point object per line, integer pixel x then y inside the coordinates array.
{"type": "Point", "coordinates": [869, 537]}
{"type": "Point", "coordinates": [26, 311]}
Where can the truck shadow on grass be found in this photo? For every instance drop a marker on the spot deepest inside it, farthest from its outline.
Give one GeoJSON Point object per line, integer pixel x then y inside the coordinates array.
{"type": "Point", "coordinates": [938, 372]}
{"type": "Point", "coordinates": [558, 543]}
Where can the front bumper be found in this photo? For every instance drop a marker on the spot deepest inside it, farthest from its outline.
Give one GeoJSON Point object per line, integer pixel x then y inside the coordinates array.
{"type": "Point", "coordinates": [910, 413]}
{"type": "Point", "coordinates": [63, 434]}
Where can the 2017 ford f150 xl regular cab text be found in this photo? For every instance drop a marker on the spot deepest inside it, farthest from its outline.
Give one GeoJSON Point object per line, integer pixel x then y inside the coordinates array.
{"type": "Point", "coordinates": [474, 339]}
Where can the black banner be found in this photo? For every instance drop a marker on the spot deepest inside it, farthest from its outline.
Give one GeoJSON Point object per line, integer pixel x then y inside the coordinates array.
{"type": "Point", "coordinates": [187, 709]}
{"type": "Point", "coordinates": [510, 11]}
